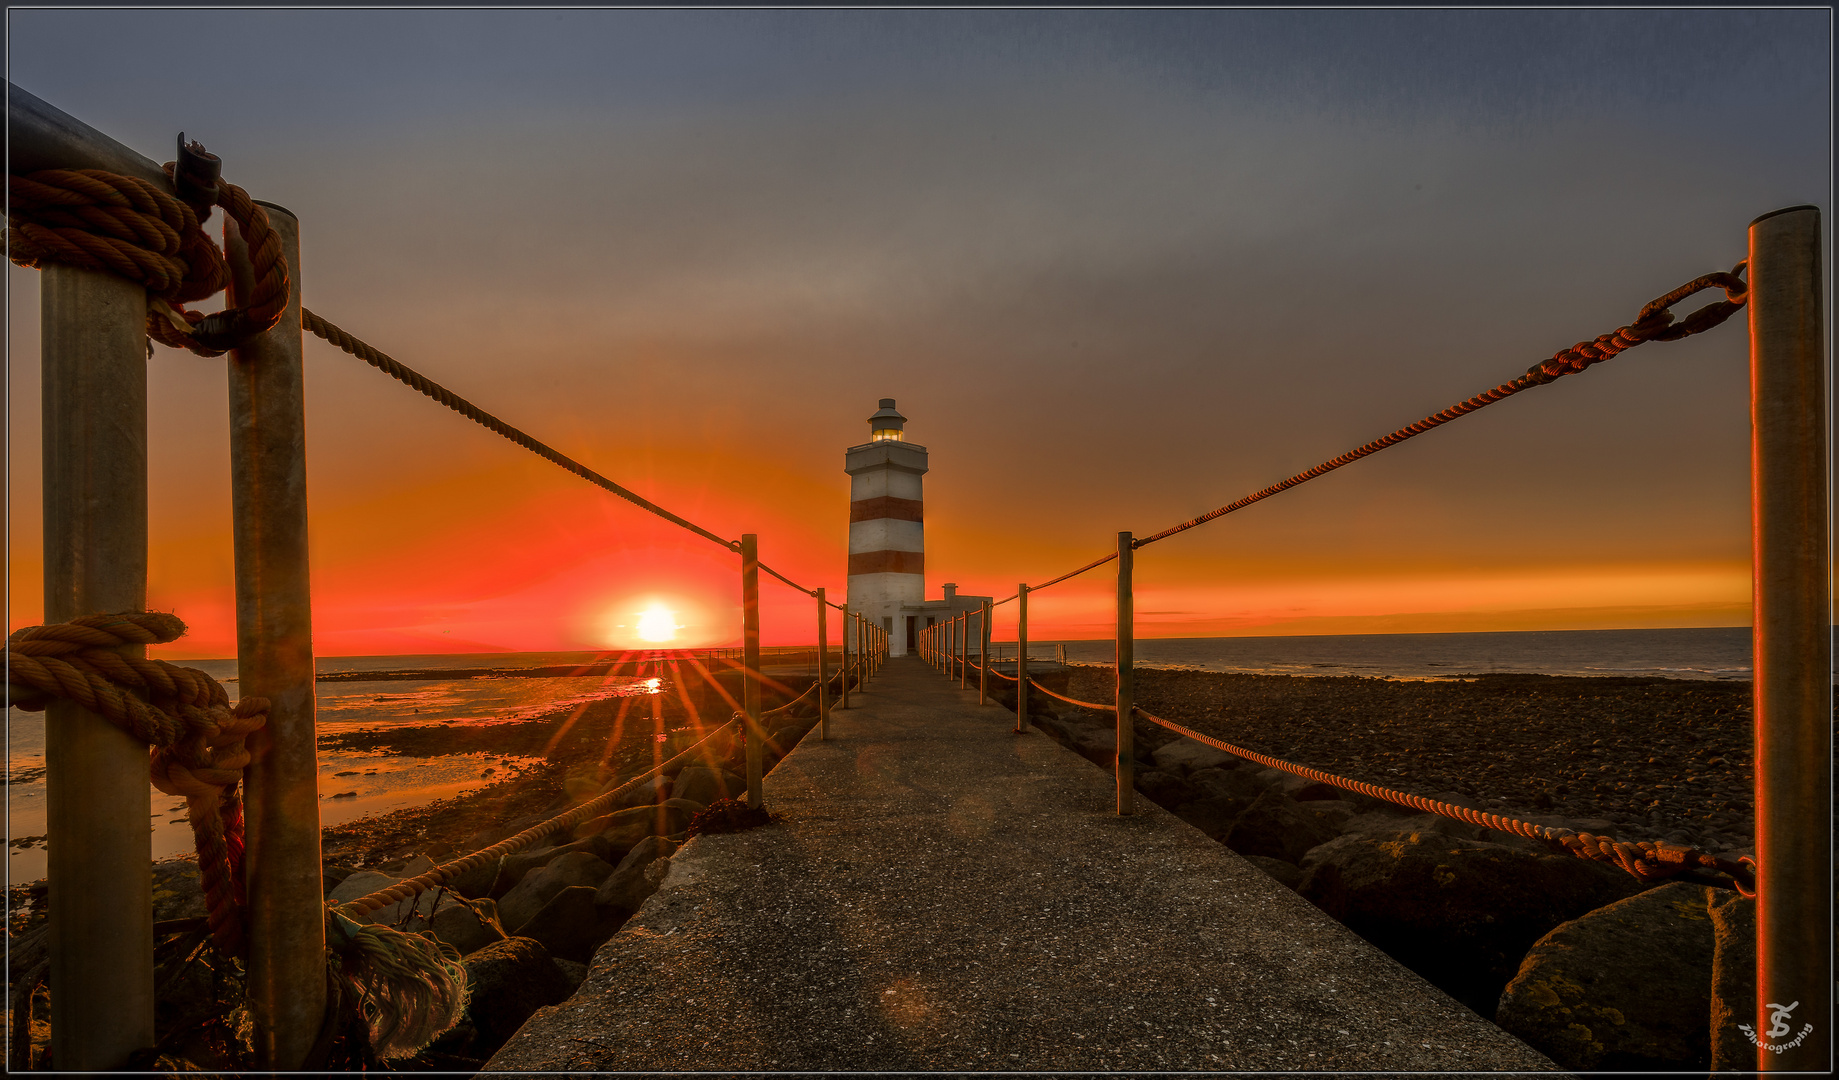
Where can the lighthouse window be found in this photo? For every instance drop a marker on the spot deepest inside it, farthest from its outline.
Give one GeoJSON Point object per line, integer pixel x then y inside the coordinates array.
{"type": "Point", "coordinates": [881, 434]}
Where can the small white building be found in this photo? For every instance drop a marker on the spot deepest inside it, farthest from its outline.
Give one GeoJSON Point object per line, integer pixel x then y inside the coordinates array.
{"type": "Point", "coordinates": [887, 536]}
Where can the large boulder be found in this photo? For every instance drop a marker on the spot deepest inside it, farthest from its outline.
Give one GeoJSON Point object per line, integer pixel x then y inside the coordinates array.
{"type": "Point", "coordinates": [508, 981]}
{"type": "Point", "coordinates": [707, 785]}
{"type": "Point", "coordinates": [1627, 986]}
{"type": "Point", "coordinates": [361, 884]}
{"type": "Point", "coordinates": [571, 926]}
{"type": "Point", "coordinates": [1225, 794]}
{"type": "Point", "coordinates": [635, 879]}
{"type": "Point", "coordinates": [467, 927]}
{"type": "Point", "coordinates": [1183, 756]}
{"type": "Point", "coordinates": [177, 891]}
{"type": "Point", "coordinates": [624, 830]}
{"type": "Point", "coordinates": [1166, 789]}
{"type": "Point", "coordinates": [541, 885]}
{"type": "Point", "coordinates": [651, 792]}
{"type": "Point", "coordinates": [1279, 827]}
{"type": "Point", "coordinates": [1460, 913]}
{"type": "Point", "coordinates": [1733, 980]}
{"type": "Point", "coordinates": [513, 867]}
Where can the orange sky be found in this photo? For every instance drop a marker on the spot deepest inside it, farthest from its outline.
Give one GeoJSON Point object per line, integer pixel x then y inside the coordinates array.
{"type": "Point", "coordinates": [1117, 270]}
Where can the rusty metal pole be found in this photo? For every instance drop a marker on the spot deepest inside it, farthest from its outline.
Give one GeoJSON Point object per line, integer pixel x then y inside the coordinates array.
{"type": "Point", "coordinates": [1793, 642]}
{"type": "Point", "coordinates": [823, 667]}
{"type": "Point", "coordinates": [1021, 658]}
{"type": "Point", "coordinates": [1126, 679]}
{"type": "Point", "coordinates": [94, 359]}
{"type": "Point", "coordinates": [274, 653]}
{"type": "Point", "coordinates": [983, 654]}
{"type": "Point", "coordinates": [843, 642]}
{"type": "Point", "coordinates": [750, 645]}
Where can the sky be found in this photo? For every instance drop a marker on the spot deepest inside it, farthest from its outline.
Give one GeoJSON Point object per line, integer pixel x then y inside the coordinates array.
{"type": "Point", "coordinates": [1117, 268]}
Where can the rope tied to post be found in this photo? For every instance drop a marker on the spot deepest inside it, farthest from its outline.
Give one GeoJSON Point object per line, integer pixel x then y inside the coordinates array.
{"type": "Point", "coordinates": [198, 738]}
{"type": "Point", "coordinates": [122, 225]}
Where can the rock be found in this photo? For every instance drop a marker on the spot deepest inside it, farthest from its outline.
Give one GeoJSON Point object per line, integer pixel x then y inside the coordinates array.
{"type": "Point", "coordinates": [1733, 980]}
{"type": "Point", "coordinates": [571, 926]}
{"type": "Point", "coordinates": [464, 926]}
{"type": "Point", "coordinates": [1300, 788]}
{"type": "Point", "coordinates": [513, 867]}
{"type": "Point", "coordinates": [1185, 755]}
{"type": "Point", "coordinates": [1166, 789]}
{"type": "Point", "coordinates": [707, 785]}
{"type": "Point", "coordinates": [178, 892]}
{"type": "Point", "coordinates": [477, 883]}
{"type": "Point", "coordinates": [648, 850]}
{"type": "Point", "coordinates": [331, 874]}
{"type": "Point", "coordinates": [625, 829]}
{"type": "Point", "coordinates": [651, 792]}
{"type": "Point", "coordinates": [361, 884]}
{"type": "Point", "coordinates": [1387, 821]}
{"type": "Point", "coordinates": [412, 914]}
{"type": "Point", "coordinates": [507, 982]}
{"type": "Point", "coordinates": [575, 973]}
{"type": "Point", "coordinates": [628, 887]}
{"type": "Point", "coordinates": [541, 885]}
{"type": "Point", "coordinates": [484, 838]}
{"type": "Point", "coordinates": [1458, 912]}
{"type": "Point", "coordinates": [1287, 873]}
{"type": "Point", "coordinates": [1278, 827]}
{"type": "Point", "coordinates": [1627, 986]}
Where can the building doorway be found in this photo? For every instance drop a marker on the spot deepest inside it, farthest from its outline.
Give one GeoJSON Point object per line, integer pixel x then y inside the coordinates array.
{"type": "Point", "coordinates": [911, 620]}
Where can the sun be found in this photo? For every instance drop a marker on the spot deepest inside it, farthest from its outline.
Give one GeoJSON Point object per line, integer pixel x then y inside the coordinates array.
{"type": "Point", "coordinates": [657, 623]}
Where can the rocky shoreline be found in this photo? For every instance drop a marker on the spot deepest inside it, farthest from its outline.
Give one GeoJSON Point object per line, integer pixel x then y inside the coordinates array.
{"type": "Point", "coordinates": [1589, 965]}
{"type": "Point", "coordinates": [1593, 967]}
{"type": "Point", "coordinates": [521, 951]}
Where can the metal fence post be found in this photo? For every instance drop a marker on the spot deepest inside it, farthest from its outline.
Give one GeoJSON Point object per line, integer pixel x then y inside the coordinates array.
{"type": "Point", "coordinates": [843, 643]}
{"type": "Point", "coordinates": [1021, 658]}
{"type": "Point", "coordinates": [823, 667]}
{"type": "Point", "coordinates": [1793, 692]}
{"type": "Point", "coordinates": [964, 652]}
{"type": "Point", "coordinates": [94, 358]}
{"type": "Point", "coordinates": [1126, 679]}
{"type": "Point", "coordinates": [274, 653]}
{"type": "Point", "coordinates": [983, 654]}
{"type": "Point", "coordinates": [750, 644]}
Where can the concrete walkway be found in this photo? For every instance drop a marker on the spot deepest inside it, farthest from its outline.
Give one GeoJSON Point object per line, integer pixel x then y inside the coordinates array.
{"type": "Point", "coordinates": [944, 895]}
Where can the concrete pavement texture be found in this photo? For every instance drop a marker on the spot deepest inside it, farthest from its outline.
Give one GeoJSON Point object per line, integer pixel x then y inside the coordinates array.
{"type": "Point", "coordinates": [941, 894]}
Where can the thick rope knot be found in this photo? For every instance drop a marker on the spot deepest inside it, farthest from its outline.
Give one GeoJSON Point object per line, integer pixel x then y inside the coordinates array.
{"type": "Point", "coordinates": [1655, 323]}
{"type": "Point", "coordinates": [182, 713]}
{"type": "Point", "coordinates": [410, 987]}
{"type": "Point", "coordinates": [136, 230]}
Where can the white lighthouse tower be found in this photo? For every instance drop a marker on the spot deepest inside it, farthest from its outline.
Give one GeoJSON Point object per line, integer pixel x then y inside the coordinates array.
{"type": "Point", "coordinates": [887, 536]}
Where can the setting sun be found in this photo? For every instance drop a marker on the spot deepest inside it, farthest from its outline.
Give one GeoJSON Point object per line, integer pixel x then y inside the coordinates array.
{"type": "Point", "coordinates": [657, 624]}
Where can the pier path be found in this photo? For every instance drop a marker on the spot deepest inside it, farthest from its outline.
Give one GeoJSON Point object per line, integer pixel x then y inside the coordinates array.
{"type": "Point", "coordinates": [943, 894]}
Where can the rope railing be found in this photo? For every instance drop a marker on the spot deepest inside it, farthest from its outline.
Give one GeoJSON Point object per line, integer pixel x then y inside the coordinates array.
{"type": "Point", "coordinates": [1654, 323]}
{"type": "Point", "coordinates": [1645, 860]}
{"type": "Point", "coordinates": [145, 228]}
{"type": "Point", "coordinates": [413, 379]}
{"type": "Point", "coordinates": [1648, 860]}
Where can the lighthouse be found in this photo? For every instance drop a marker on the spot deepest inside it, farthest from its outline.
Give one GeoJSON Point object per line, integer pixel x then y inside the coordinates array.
{"type": "Point", "coordinates": [887, 534]}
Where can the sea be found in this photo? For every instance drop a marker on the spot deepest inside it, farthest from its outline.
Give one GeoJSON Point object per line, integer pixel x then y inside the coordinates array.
{"type": "Point", "coordinates": [356, 783]}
